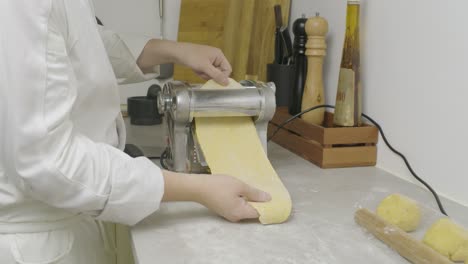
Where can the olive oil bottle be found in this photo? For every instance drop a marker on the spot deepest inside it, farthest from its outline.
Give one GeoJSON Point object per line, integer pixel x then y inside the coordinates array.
{"type": "Point", "coordinates": [348, 107]}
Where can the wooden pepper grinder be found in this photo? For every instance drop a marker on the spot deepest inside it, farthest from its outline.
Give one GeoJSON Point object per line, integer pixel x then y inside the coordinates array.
{"type": "Point", "coordinates": [316, 29]}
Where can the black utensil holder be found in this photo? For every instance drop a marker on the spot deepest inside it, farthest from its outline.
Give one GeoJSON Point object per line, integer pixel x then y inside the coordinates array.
{"type": "Point", "coordinates": [283, 77]}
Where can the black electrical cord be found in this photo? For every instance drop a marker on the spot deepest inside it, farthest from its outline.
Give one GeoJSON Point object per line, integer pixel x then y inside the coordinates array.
{"type": "Point", "coordinates": [296, 116]}
{"type": "Point", "coordinates": [99, 22]}
{"type": "Point", "coordinates": [153, 158]}
{"type": "Point", "coordinates": [439, 203]}
{"type": "Point", "coordinates": [436, 196]}
{"type": "Point", "coordinates": [163, 158]}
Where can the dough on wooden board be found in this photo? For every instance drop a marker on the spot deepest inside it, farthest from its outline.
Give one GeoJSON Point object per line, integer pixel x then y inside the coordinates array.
{"type": "Point", "coordinates": [400, 211]}
{"type": "Point", "coordinates": [448, 238]}
{"type": "Point", "coordinates": [231, 146]}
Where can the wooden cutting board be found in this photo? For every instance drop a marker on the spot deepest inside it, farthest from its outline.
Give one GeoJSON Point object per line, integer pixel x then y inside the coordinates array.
{"type": "Point", "coordinates": [243, 29]}
{"type": "Point", "coordinates": [262, 44]}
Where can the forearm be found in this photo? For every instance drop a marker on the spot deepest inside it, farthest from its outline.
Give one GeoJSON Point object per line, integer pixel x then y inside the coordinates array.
{"type": "Point", "coordinates": [207, 62]}
{"type": "Point", "coordinates": [182, 187]}
{"type": "Point", "coordinates": [158, 51]}
{"type": "Point", "coordinates": [222, 194]}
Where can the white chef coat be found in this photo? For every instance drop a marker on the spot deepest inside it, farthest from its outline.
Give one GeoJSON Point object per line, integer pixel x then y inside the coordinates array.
{"type": "Point", "coordinates": [61, 131]}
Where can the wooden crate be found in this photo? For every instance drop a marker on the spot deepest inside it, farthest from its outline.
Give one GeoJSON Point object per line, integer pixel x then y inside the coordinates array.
{"type": "Point", "coordinates": [326, 146]}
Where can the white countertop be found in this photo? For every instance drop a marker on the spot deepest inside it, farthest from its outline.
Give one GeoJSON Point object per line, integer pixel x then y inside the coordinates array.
{"type": "Point", "coordinates": [321, 228]}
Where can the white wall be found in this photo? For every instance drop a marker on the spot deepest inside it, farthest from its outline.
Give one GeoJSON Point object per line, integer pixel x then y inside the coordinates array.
{"type": "Point", "coordinates": [138, 18]}
{"type": "Point", "coordinates": [415, 79]}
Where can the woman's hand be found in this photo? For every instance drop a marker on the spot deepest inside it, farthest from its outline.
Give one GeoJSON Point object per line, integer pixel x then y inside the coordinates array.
{"type": "Point", "coordinates": [229, 197]}
{"type": "Point", "coordinates": [222, 194]}
{"type": "Point", "coordinates": [207, 62]}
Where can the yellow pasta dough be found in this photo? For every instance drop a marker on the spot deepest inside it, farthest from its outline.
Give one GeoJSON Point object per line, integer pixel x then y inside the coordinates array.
{"type": "Point", "coordinates": [448, 238]}
{"type": "Point", "coordinates": [400, 211]}
{"type": "Point", "coordinates": [231, 146]}
{"type": "Point", "coordinates": [461, 253]}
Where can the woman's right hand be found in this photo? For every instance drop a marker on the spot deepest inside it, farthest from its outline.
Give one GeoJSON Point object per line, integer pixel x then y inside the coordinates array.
{"type": "Point", "coordinates": [225, 195]}
{"type": "Point", "coordinates": [229, 197]}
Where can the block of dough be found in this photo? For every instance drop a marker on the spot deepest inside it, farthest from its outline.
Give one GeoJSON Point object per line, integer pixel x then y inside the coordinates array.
{"type": "Point", "coordinates": [447, 238]}
{"type": "Point", "coordinates": [231, 146]}
{"type": "Point", "coordinates": [461, 253]}
{"type": "Point", "coordinates": [400, 211]}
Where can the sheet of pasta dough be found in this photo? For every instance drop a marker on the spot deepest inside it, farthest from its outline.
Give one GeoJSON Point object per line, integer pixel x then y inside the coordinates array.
{"type": "Point", "coordinates": [231, 146]}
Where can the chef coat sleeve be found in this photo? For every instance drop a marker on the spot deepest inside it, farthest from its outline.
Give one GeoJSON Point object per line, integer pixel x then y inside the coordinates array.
{"type": "Point", "coordinates": [45, 156]}
{"type": "Point", "coordinates": [123, 51]}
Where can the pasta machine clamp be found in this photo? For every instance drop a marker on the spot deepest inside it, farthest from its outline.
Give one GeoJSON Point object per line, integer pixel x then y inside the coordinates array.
{"type": "Point", "coordinates": [181, 103]}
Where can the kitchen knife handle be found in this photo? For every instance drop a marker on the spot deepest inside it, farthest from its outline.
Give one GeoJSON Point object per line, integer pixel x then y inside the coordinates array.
{"type": "Point", "coordinates": [278, 47]}
{"type": "Point", "coordinates": [287, 46]}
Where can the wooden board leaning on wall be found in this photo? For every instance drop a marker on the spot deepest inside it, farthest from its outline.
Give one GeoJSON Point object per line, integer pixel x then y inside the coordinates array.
{"type": "Point", "coordinates": [243, 29]}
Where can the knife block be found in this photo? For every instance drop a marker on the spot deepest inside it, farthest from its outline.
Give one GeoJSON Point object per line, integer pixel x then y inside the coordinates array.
{"type": "Point", "coordinates": [325, 145]}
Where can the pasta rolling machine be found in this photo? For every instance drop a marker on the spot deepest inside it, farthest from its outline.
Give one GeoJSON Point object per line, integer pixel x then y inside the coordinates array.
{"type": "Point", "coordinates": [181, 103]}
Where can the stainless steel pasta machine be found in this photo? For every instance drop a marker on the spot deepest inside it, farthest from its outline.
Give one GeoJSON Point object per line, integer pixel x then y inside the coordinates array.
{"type": "Point", "coordinates": [181, 103]}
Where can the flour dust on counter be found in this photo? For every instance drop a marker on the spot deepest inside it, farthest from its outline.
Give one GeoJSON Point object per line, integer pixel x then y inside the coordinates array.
{"type": "Point", "coordinates": [320, 230]}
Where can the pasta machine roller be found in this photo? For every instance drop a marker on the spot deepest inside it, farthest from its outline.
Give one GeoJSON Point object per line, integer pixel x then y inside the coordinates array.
{"type": "Point", "coordinates": [181, 103]}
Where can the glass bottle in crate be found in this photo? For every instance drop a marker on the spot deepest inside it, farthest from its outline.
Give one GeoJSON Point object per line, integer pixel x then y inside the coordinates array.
{"type": "Point", "coordinates": [349, 94]}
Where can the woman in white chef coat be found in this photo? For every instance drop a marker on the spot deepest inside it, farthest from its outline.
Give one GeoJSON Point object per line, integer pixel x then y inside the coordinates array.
{"type": "Point", "coordinates": [61, 135]}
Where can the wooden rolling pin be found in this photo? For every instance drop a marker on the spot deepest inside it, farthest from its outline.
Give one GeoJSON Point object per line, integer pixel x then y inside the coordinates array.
{"type": "Point", "coordinates": [406, 245]}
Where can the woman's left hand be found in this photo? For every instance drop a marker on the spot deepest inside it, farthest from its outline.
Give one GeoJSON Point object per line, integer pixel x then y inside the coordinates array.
{"type": "Point", "coordinates": [207, 62]}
